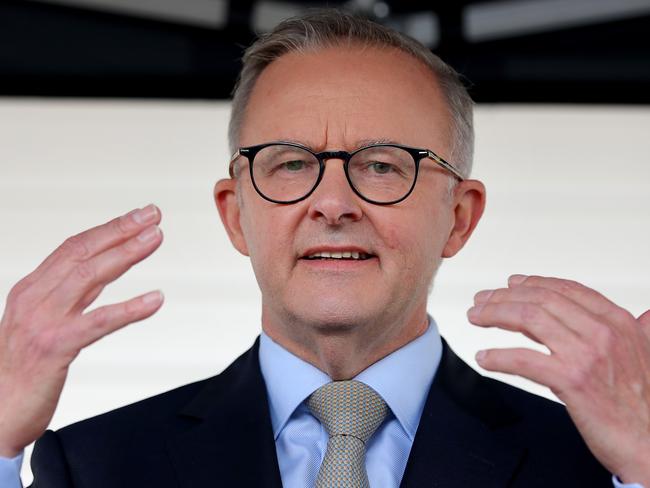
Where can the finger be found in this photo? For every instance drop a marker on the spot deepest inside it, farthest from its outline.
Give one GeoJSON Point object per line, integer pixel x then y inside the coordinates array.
{"type": "Point", "coordinates": [533, 365]}
{"type": "Point", "coordinates": [103, 269]}
{"type": "Point", "coordinates": [103, 320]}
{"type": "Point", "coordinates": [644, 320]}
{"type": "Point", "coordinates": [85, 245]}
{"type": "Point", "coordinates": [530, 319]}
{"type": "Point", "coordinates": [90, 297]}
{"type": "Point", "coordinates": [579, 293]}
{"type": "Point", "coordinates": [567, 312]}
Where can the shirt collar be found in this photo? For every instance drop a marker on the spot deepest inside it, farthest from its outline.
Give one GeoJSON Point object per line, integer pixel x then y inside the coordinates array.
{"type": "Point", "coordinates": [402, 378]}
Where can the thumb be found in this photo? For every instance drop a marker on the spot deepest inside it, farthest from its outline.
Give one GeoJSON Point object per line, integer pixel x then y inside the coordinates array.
{"type": "Point", "coordinates": [644, 320]}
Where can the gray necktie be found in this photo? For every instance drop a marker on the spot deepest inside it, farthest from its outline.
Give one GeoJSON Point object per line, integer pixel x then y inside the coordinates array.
{"type": "Point", "coordinates": [350, 411]}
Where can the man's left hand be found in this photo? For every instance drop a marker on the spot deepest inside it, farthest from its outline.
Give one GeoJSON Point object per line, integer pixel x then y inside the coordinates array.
{"type": "Point", "coordinates": [599, 362]}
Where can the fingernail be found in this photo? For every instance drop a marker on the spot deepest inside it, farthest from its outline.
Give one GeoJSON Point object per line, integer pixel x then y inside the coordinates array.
{"type": "Point", "coordinates": [483, 296]}
{"type": "Point", "coordinates": [154, 296]}
{"type": "Point", "coordinates": [480, 356]}
{"type": "Point", "coordinates": [149, 234]}
{"type": "Point", "coordinates": [516, 279]}
{"type": "Point", "coordinates": [146, 214]}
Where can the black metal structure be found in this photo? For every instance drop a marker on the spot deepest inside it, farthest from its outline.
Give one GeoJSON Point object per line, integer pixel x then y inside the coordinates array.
{"type": "Point", "coordinates": [58, 50]}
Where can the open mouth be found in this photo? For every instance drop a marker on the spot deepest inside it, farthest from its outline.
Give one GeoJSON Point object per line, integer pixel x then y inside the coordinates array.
{"type": "Point", "coordinates": [345, 255]}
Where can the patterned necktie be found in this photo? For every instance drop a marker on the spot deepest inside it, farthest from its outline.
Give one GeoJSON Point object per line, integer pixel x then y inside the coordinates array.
{"type": "Point", "coordinates": [350, 411]}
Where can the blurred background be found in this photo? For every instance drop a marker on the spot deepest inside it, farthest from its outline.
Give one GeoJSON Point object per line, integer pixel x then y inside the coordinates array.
{"type": "Point", "coordinates": [510, 50]}
{"type": "Point", "coordinates": [107, 105]}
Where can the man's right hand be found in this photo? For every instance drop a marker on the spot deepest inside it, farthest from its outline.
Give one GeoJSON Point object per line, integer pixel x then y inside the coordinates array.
{"type": "Point", "coordinates": [44, 326]}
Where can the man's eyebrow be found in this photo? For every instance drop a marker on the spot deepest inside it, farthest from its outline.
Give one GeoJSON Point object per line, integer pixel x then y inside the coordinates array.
{"type": "Point", "coordinates": [358, 144]}
{"type": "Point", "coordinates": [370, 142]}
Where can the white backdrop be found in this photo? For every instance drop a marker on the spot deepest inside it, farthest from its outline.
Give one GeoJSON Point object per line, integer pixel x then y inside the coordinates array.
{"type": "Point", "coordinates": [568, 195]}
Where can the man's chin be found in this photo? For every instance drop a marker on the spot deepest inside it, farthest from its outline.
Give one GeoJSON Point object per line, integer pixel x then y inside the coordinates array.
{"type": "Point", "coordinates": [340, 318]}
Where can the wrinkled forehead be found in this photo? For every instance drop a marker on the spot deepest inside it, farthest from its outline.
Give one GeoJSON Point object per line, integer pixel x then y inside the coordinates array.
{"type": "Point", "coordinates": [342, 97]}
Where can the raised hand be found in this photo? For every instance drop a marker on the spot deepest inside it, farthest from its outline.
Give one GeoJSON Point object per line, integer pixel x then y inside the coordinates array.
{"type": "Point", "coordinates": [45, 326]}
{"type": "Point", "coordinates": [599, 362]}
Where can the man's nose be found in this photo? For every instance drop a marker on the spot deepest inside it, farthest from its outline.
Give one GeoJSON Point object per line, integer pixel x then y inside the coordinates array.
{"type": "Point", "coordinates": [334, 201]}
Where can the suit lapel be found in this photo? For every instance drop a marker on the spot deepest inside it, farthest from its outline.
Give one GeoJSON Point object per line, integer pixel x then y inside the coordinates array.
{"type": "Point", "coordinates": [461, 439]}
{"type": "Point", "coordinates": [228, 440]}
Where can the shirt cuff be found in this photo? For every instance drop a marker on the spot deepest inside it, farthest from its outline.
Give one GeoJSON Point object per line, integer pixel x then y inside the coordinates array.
{"type": "Point", "coordinates": [619, 484]}
{"type": "Point", "coordinates": [10, 471]}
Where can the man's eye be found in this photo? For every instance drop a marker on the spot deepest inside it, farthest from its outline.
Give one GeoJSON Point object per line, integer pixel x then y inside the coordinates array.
{"type": "Point", "coordinates": [295, 165]}
{"type": "Point", "coordinates": [381, 168]}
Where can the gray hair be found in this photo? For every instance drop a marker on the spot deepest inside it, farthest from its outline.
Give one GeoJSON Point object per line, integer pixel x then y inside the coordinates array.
{"type": "Point", "coordinates": [324, 28]}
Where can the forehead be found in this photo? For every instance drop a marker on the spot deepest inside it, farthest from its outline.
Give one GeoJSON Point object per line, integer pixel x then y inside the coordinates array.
{"type": "Point", "coordinates": [340, 96]}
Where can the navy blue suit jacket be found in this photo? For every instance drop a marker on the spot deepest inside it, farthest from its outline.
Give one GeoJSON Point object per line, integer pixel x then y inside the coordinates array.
{"type": "Point", "coordinates": [474, 432]}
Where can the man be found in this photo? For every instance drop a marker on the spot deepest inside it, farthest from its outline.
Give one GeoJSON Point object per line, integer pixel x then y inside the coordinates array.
{"type": "Point", "coordinates": [348, 187]}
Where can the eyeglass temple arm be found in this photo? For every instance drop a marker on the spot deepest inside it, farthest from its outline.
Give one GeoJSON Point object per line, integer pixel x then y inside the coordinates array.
{"type": "Point", "coordinates": [445, 165]}
{"type": "Point", "coordinates": [233, 158]}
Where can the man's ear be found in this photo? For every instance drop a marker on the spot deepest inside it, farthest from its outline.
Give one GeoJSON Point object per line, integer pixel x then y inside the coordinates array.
{"type": "Point", "coordinates": [468, 203]}
{"type": "Point", "coordinates": [225, 197]}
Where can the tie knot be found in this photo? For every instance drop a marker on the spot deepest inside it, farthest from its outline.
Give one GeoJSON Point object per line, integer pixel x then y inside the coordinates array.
{"type": "Point", "coordinates": [348, 408]}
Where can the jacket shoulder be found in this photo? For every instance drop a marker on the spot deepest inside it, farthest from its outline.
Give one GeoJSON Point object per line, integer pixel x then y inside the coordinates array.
{"type": "Point", "coordinates": [129, 446]}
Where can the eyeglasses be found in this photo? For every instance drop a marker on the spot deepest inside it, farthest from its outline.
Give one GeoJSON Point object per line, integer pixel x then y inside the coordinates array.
{"type": "Point", "coordinates": [383, 174]}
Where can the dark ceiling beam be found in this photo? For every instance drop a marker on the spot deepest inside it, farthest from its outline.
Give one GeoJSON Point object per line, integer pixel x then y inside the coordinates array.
{"type": "Point", "coordinates": [201, 13]}
{"type": "Point", "coordinates": [55, 50]}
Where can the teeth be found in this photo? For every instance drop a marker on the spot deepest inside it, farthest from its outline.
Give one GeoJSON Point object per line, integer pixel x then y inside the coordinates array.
{"type": "Point", "coordinates": [339, 255]}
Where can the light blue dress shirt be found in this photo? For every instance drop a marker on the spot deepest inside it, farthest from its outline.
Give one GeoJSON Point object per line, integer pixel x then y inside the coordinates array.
{"type": "Point", "coordinates": [402, 379]}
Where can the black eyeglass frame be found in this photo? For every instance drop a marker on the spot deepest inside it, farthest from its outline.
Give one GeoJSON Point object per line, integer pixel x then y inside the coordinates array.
{"type": "Point", "coordinates": [416, 153]}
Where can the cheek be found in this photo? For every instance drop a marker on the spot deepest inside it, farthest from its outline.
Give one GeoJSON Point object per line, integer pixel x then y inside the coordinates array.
{"type": "Point", "coordinates": [392, 237]}
{"type": "Point", "coordinates": [408, 246]}
{"type": "Point", "coordinates": [416, 243]}
{"type": "Point", "coordinates": [268, 234]}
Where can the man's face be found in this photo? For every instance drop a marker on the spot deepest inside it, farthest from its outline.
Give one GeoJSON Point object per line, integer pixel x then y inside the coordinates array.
{"type": "Point", "coordinates": [339, 99]}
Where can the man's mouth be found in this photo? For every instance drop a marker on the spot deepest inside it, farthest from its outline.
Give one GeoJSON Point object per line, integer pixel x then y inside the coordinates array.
{"type": "Point", "coordinates": [350, 255]}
